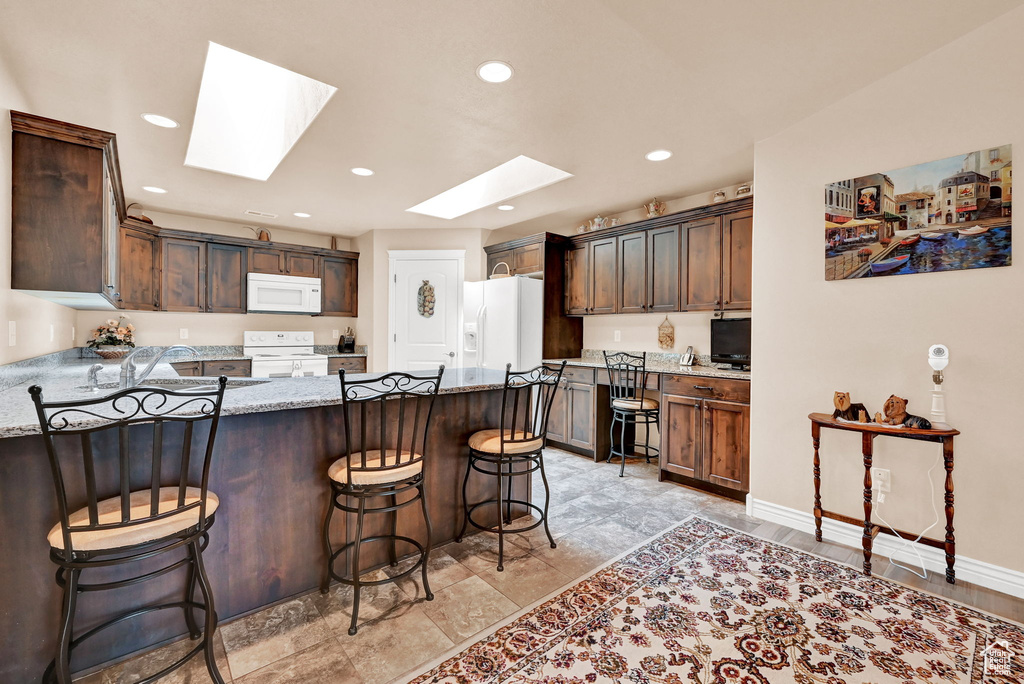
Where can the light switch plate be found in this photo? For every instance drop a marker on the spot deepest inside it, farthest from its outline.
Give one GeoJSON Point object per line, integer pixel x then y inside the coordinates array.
{"type": "Point", "coordinates": [183, 333]}
{"type": "Point", "coordinates": [618, 335]}
{"type": "Point", "coordinates": [12, 333]}
{"type": "Point", "coordinates": [52, 331]}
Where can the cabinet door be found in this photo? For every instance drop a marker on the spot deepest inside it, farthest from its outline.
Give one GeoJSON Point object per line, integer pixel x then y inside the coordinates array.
{"type": "Point", "coordinates": [737, 255]}
{"type": "Point", "coordinates": [726, 459]}
{"type": "Point", "coordinates": [226, 278]}
{"type": "Point", "coordinates": [603, 276]}
{"type": "Point", "coordinates": [140, 270]}
{"type": "Point", "coordinates": [502, 257]}
{"type": "Point", "coordinates": [302, 264]}
{"type": "Point", "coordinates": [681, 435]}
{"type": "Point", "coordinates": [581, 415]}
{"type": "Point", "coordinates": [266, 260]}
{"type": "Point", "coordinates": [632, 273]}
{"type": "Point", "coordinates": [528, 259]}
{"type": "Point", "coordinates": [234, 369]}
{"type": "Point", "coordinates": [558, 419]}
{"type": "Point", "coordinates": [188, 368]}
{"type": "Point", "coordinates": [702, 250]}
{"type": "Point", "coordinates": [339, 286]}
{"type": "Point", "coordinates": [184, 275]}
{"type": "Point", "coordinates": [577, 280]}
{"type": "Point", "coordinates": [663, 269]}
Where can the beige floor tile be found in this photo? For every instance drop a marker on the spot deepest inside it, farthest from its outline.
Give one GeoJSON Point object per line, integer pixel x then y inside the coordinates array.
{"type": "Point", "coordinates": [612, 536]}
{"type": "Point", "coordinates": [375, 601]}
{"type": "Point", "coordinates": [604, 502]}
{"type": "Point", "coordinates": [269, 635]}
{"type": "Point", "coordinates": [442, 571]}
{"type": "Point", "coordinates": [480, 551]}
{"type": "Point", "coordinates": [645, 520]}
{"type": "Point", "coordinates": [385, 649]}
{"type": "Point", "coordinates": [467, 607]}
{"type": "Point", "coordinates": [574, 556]}
{"type": "Point", "coordinates": [525, 580]}
{"type": "Point", "coordinates": [324, 663]}
{"type": "Point", "coordinates": [147, 664]}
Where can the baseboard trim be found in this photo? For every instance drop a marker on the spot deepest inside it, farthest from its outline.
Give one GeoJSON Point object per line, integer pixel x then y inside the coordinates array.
{"type": "Point", "coordinates": [977, 572]}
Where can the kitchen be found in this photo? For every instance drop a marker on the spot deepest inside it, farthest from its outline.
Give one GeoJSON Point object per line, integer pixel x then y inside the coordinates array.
{"type": "Point", "coordinates": [272, 292]}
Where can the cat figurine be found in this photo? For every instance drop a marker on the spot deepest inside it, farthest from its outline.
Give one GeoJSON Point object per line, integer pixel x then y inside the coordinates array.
{"type": "Point", "coordinates": [895, 410]}
{"type": "Point", "coordinates": [857, 413]}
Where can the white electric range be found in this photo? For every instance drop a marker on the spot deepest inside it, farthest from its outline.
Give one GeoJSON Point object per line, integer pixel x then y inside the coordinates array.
{"type": "Point", "coordinates": [283, 354]}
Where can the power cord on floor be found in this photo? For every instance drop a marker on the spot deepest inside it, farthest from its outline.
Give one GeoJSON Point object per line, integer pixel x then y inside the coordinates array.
{"type": "Point", "coordinates": [907, 542]}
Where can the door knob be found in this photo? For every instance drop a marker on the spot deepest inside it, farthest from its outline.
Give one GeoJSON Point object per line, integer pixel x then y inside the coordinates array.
{"type": "Point", "coordinates": [451, 355]}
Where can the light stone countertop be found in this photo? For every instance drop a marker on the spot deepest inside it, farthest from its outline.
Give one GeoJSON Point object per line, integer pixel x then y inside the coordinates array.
{"type": "Point", "coordinates": [654, 366]}
{"type": "Point", "coordinates": [67, 381]}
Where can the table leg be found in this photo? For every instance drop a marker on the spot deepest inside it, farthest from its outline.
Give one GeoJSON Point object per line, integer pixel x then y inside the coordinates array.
{"type": "Point", "coordinates": [947, 458]}
{"type": "Point", "coordinates": [816, 439]}
{"type": "Point", "coordinates": [867, 444]}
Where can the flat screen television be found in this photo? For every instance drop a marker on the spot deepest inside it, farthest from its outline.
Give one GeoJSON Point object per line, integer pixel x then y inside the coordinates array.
{"type": "Point", "coordinates": [730, 341]}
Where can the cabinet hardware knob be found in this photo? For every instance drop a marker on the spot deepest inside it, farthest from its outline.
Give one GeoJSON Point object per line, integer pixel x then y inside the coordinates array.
{"type": "Point", "coordinates": [703, 387]}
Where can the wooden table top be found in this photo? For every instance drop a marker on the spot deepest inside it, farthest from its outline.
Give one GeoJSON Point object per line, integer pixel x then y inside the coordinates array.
{"type": "Point", "coordinates": [826, 420]}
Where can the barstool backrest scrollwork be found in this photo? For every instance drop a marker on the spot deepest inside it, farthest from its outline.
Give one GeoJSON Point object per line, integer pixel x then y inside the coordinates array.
{"type": "Point", "coordinates": [405, 404]}
{"type": "Point", "coordinates": [174, 453]}
{"type": "Point", "coordinates": [526, 403]}
{"type": "Point", "coordinates": [627, 374]}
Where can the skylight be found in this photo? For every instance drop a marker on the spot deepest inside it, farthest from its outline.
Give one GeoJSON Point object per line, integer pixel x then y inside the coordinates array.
{"type": "Point", "coordinates": [250, 113]}
{"type": "Point", "coordinates": [511, 179]}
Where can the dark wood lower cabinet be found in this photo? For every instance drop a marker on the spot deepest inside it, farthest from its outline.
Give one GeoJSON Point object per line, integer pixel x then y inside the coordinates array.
{"type": "Point", "coordinates": [351, 364]}
{"type": "Point", "coordinates": [726, 448]}
{"type": "Point", "coordinates": [580, 413]}
{"type": "Point", "coordinates": [558, 419]}
{"type": "Point", "coordinates": [188, 368]}
{"type": "Point", "coordinates": [235, 369]}
{"type": "Point", "coordinates": [681, 426]}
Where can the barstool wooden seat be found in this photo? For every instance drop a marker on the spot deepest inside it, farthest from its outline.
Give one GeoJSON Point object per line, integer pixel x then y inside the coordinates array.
{"type": "Point", "coordinates": [100, 447]}
{"type": "Point", "coordinates": [403, 405]}
{"type": "Point", "coordinates": [514, 449]}
{"type": "Point", "coordinates": [627, 379]}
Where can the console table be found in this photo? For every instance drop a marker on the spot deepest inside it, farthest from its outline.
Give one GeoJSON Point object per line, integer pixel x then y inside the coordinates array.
{"type": "Point", "coordinates": [868, 432]}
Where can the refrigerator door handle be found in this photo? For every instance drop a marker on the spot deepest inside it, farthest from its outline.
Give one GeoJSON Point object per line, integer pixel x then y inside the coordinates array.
{"type": "Point", "coordinates": [481, 342]}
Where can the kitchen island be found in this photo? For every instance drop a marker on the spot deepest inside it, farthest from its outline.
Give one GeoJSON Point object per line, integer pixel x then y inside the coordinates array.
{"type": "Point", "coordinates": [275, 442]}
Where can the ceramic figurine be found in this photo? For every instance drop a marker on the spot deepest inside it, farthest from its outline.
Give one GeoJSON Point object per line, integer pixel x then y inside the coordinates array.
{"type": "Point", "coordinates": [895, 409]}
{"type": "Point", "coordinates": [655, 208]}
{"type": "Point", "coordinates": [719, 196]}
{"type": "Point", "coordinates": [598, 223]}
{"type": "Point", "coordinates": [745, 189]}
{"type": "Point", "coordinates": [845, 410]}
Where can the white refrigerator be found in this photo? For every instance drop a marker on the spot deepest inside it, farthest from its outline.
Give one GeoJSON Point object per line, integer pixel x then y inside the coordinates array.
{"type": "Point", "coordinates": [503, 322]}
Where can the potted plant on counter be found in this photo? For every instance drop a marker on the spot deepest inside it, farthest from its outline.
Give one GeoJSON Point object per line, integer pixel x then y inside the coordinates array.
{"type": "Point", "coordinates": [114, 339]}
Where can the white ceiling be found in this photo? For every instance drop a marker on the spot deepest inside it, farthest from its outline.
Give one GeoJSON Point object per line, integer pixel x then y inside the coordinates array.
{"type": "Point", "coordinates": [598, 83]}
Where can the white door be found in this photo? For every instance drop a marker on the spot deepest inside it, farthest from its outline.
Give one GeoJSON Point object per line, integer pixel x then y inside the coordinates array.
{"type": "Point", "coordinates": [425, 309]}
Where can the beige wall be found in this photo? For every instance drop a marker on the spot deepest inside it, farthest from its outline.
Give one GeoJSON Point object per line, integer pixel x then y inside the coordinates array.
{"type": "Point", "coordinates": [42, 327]}
{"type": "Point", "coordinates": [871, 337]}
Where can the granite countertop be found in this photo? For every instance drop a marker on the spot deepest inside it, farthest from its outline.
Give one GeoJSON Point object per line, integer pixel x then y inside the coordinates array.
{"type": "Point", "coordinates": [208, 356]}
{"type": "Point", "coordinates": [67, 381]}
{"type": "Point", "coordinates": [657, 366]}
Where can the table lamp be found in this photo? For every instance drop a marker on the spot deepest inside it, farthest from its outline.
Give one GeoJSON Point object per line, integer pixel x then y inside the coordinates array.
{"type": "Point", "coordinates": [938, 359]}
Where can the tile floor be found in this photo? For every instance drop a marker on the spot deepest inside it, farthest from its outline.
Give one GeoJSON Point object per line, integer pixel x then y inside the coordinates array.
{"type": "Point", "coordinates": [594, 517]}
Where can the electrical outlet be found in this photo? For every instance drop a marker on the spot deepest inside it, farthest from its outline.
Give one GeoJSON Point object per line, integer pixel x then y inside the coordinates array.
{"type": "Point", "coordinates": [618, 335]}
{"type": "Point", "coordinates": [881, 480]}
{"type": "Point", "coordinates": [335, 334]}
{"type": "Point", "coordinates": [183, 333]}
{"type": "Point", "coordinates": [12, 333]}
{"type": "Point", "coordinates": [72, 334]}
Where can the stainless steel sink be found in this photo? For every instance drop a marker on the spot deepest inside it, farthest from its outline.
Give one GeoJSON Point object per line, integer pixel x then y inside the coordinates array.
{"type": "Point", "coordinates": [186, 384]}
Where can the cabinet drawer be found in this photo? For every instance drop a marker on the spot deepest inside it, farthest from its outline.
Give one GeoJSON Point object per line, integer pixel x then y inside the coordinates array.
{"type": "Point", "coordinates": [356, 364]}
{"type": "Point", "coordinates": [711, 388]}
{"type": "Point", "coordinates": [188, 368]}
{"type": "Point", "coordinates": [577, 374]}
{"type": "Point", "coordinates": [652, 379]}
{"type": "Point", "coordinates": [238, 369]}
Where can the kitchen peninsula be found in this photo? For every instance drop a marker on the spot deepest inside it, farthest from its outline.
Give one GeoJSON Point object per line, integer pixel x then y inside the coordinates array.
{"type": "Point", "coordinates": [274, 444]}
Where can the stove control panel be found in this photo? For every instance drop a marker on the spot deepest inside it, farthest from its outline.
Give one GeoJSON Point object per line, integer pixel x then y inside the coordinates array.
{"type": "Point", "coordinates": [277, 338]}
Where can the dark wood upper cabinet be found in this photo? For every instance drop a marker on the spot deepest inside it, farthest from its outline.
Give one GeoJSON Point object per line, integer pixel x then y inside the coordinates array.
{"type": "Point", "coordinates": [66, 207]}
{"type": "Point", "coordinates": [302, 264]}
{"type": "Point", "coordinates": [632, 273]}
{"type": "Point", "coordinates": [737, 257]}
{"type": "Point", "coordinates": [663, 274]}
{"type": "Point", "coordinates": [528, 259]}
{"type": "Point", "coordinates": [702, 257]}
{"type": "Point", "coordinates": [226, 286]}
{"type": "Point", "coordinates": [267, 260]}
{"type": "Point", "coordinates": [603, 276]}
{"type": "Point", "coordinates": [339, 286]}
{"type": "Point", "coordinates": [184, 274]}
{"type": "Point", "coordinates": [505, 256]}
{"type": "Point", "coordinates": [577, 280]}
{"type": "Point", "coordinates": [139, 270]}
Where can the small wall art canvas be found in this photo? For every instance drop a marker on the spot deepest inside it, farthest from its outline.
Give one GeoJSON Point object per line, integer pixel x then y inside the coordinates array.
{"type": "Point", "coordinates": [946, 215]}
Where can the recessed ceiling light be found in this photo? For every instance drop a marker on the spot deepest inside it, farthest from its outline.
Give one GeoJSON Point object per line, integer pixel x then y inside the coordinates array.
{"type": "Point", "coordinates": [658, 155]}
{"type": "Point", "coordinates": [250, 113]}
{"type": "Point", "coordinates": [494, 72]}
{"type": "Point", "coordinates": [301, 214]}
{"type": "Point", "coordinates": [153, 188]}
{"type": "Point", "coordinates": [505, 207]}
{"type": "Point", "coordinates": [513, 178]}
{"type": "Point", "coordinates": [161, 121]}
{"type": "Point", "coordinates": [360, 171]}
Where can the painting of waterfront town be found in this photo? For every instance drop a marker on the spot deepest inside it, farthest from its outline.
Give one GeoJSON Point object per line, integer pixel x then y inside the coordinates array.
{"type": "Point", "coordinates": [945, 215]}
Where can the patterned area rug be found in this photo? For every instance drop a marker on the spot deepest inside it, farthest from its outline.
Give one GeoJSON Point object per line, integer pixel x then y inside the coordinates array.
{"type": "Point", "coordinates": [705, 603]}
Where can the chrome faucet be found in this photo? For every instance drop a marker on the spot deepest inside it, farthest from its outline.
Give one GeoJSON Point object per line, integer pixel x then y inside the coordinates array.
{"type": "Point", "coordinates": [128, 377]}
{"type": "Point", "coordinates": [94, 382]}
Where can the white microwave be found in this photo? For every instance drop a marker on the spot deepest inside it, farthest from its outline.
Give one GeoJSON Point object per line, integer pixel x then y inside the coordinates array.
{"type": "Point", "coordinates": [272, 293]}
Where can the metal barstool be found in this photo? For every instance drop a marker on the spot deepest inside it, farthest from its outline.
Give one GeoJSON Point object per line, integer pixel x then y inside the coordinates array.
{"type": "Point", "coordinates": [513, 450]}
{"type": "Point", "coordinates": [627, 378]}
{"type": "Point", "coordinates": [97, 448]}
{"type": "Point", "coordinates": [380, 465]}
